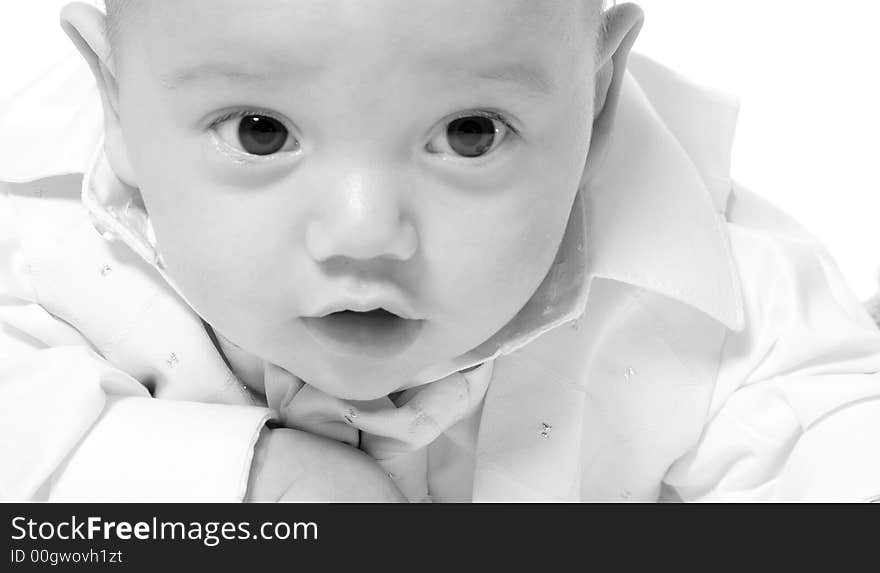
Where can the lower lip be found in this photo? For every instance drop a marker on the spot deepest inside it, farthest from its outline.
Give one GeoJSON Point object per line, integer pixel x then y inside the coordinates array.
{"type": "Point", "coordinates": [367, 335]}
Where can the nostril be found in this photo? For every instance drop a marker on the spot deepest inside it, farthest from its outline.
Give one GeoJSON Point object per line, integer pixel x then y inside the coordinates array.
{"type": "Point", "coordinates": [326, 239]}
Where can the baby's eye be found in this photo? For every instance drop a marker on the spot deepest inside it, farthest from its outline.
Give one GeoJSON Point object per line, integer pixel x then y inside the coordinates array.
{"type": "Point", "coordinates": [470, 136]}
{"type": "Point", "coordinates": [255, 134]}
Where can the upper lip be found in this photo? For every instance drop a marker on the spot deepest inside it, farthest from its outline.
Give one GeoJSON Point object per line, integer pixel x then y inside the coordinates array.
{"type": "Point", "coordinates": [387, 302]}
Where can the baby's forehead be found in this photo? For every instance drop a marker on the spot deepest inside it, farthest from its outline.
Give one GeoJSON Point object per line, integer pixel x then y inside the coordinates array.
{"type": "Point", "coordinates": [317, 31]}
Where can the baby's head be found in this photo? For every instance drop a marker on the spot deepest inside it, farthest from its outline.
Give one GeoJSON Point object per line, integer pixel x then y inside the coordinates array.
{"type": "Point", "coordinates": [356, 191]}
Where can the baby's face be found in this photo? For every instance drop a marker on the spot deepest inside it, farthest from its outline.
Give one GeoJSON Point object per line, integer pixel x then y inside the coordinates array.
{"type": "Point", "coordinates": [356, 190]}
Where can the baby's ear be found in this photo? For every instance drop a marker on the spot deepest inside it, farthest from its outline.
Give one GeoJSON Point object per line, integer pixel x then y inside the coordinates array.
{"type": "Point", "coordinates": [87, 28]}
{"type": "Point", "coordinates": [620, 26]}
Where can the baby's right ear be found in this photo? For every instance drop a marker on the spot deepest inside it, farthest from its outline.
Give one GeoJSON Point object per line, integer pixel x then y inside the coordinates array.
{"type": "Point", "coordinates": [87, 28]}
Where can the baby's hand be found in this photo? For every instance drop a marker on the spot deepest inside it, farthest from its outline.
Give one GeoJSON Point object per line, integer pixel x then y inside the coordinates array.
{"type": "Point", "coordinates": [290, 465]}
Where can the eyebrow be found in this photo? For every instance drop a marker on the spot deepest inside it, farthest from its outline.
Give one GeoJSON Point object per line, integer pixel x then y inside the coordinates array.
{"type": "Point", "coordinates": [208, 71]}
{"type": "Point", "coordinates": [532, 77]}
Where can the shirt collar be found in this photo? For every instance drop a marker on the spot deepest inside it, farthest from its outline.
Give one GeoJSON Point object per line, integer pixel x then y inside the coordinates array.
{"type": "Point", "coordinates": [653, 218]}
{"type": "Point", "coordinates": [656, 215]}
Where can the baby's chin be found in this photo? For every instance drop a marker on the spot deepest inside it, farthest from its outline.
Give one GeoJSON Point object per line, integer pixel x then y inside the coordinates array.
{"type": "Point", "coordinates": [366, 358]}
{"type": "Point", "coordinates": [353, 378]}
{"type": "Point", "coordinates": [360, 384]}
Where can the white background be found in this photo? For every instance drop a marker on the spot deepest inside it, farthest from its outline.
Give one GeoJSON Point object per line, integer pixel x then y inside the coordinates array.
{"type": "Point", "coordinates": [806, 72]}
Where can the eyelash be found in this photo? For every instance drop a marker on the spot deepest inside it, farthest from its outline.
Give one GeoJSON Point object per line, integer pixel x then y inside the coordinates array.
{"type": "Point", "coordinates": [488, 114]}
{"type": "Point", "coordinates": [241, 114]}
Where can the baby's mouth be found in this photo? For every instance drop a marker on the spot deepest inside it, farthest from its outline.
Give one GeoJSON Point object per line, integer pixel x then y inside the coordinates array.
{"type": "Point", "coordinates": [377, 334]}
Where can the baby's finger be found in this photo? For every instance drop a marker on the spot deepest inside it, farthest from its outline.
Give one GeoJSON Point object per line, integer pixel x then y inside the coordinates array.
{"type": "Point", "coordinates": [280, 386]}
{"type": "Point", "coordinates": [313, 411]}
{"type": "Point", "coordinates": [428, 413]}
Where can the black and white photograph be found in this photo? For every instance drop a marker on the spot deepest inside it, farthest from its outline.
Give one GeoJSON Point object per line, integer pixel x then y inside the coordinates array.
{"type": "Point", "coordinates": [439, 251]}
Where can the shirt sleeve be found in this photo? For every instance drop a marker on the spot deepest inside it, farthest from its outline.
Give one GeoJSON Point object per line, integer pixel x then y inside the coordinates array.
{"type": "Point", "coordinates": [142, 449]}
{"type": "Point", "coordinates": [796, 410]}
{"type": "Point", "coordinates": [75, 428]}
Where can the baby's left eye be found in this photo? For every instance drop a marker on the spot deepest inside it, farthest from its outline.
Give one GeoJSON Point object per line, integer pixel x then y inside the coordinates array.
{"type": "Point", "coordinates": [470, 137]}
{"type": "Point", "coordinates": [255, 134]}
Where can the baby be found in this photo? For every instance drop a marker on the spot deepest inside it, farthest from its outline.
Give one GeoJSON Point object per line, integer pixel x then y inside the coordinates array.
{"type": "Point", "coordinates": [416, 250]}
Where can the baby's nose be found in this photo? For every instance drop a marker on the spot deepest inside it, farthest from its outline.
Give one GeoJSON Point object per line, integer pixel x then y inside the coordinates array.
{"type": "Point", "coordinates": [365, 220]}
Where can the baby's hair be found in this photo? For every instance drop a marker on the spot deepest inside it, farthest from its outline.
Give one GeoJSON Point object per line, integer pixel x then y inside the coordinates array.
{"type": "Point", "coordinates": [600, 8]}
{"type": "Point", "coordinates": [117, 8]}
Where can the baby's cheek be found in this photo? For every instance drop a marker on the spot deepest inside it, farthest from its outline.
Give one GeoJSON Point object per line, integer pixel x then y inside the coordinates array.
{"type": "Point", "coordinates": [519, 252]}
{"type": "Point", "coordinates": [532, 252]}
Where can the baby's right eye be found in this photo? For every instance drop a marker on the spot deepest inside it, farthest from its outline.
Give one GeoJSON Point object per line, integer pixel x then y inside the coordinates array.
{"type": "Point", "coordinates": [255, 134]}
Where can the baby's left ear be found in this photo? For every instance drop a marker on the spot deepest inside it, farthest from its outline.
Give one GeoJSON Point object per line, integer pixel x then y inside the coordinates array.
{"type": "Point", "coordinates": [620, 27]}
{"type": "Point", "coordinates": [87, 28]}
